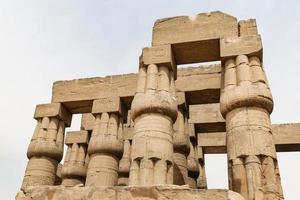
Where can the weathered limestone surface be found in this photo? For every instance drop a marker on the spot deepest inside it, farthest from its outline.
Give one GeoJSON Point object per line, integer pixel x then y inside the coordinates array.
{"type": "Point", "coordinates": [197, 37]}
{"type": "Point", "coordinates": [106, 144]}
{"type": "Point", "coordinates": [286, 138]}
{"type": "Point", "coordinates": [246, 103]}
{"type": "Point", "coordinates": [154, 111]}
{"type": "Point", "coordinates": [125, 193]}
{"type": "Point", "coordinates": [151, 130]}
{"type": "Point", "coordinates": [76, 160]}
{"type": "Point", "coordinates": [201, 84]}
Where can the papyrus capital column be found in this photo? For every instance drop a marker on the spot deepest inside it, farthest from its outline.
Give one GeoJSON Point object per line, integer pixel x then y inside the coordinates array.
{"type": "Point", "coordinates": [246, 103]}
{"type": "Point", "coordinates": [106, 144]}
{"type": "Point", "coordinates": [154, 110]}
{"type": "Point", "coordinates": [181, 141]}
{"type": "Point", "coordinates": [46, 147]}
{"type": "Point", "coordinates": [75, 163]}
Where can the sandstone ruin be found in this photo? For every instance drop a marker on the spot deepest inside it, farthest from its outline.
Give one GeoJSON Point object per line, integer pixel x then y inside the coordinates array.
{"type": "Point", "coordinates": [145, 135]}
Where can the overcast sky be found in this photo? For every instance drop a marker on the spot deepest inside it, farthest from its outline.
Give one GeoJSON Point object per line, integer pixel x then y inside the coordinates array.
{"type": "Point", "coordinates": [47, 40]}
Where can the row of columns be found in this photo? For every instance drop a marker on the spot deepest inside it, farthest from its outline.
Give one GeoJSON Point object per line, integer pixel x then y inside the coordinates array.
{"type": "Point", "coordinates": [163, 149]}
{"type": "Point", "coordinates": [101, 157]}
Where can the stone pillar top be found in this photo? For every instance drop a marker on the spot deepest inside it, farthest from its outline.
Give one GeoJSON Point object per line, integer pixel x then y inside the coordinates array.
{"type": "Point", "coordinates": [160, 55]}
{"type": "Point", "coordinates": [53, 110]}
{"type": "Point", "coordinates": [250, 45]}
{"type": "Point", "coordinates": [79, 137]}
{"type": "Point", "coordinates": [108, 105]}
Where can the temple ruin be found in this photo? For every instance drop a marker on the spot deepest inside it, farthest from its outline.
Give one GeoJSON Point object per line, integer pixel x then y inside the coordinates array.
{"type": "Point", "coordinates": [145, 135]}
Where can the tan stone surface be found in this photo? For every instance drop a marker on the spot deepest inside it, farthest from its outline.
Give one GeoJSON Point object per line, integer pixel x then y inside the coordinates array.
{"type": "Point", "coordinates": [195, 38]}
{"type": "Point", "coordinates": [286, 138]}
{"type": "Point", "coordinates": [53, 110]}
{"type": "Point", "coordinates": [201, 83]}
{"type": "Point", "coordinates": [160, 55]}
{"type": "Point", "coordinates": [77, 137]}
{"type": "Point", "coordinates": [125, 193]}
{"type": "Point", "coordinates": [246, 45]}
{"type": "Point", "coordinates": [205, 113]}
{"type": "Point", "coordinates": [109, 104]}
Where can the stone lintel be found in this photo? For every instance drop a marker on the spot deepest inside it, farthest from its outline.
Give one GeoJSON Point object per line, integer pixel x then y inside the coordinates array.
{"type": "Point", "coordinates": [247, 27]}
{"type": "Point", "coordinates": [79, 137]}
{"type": "Point", "coordinates": [108, 105]}
{"type": "Point", "coordinates": [192, 131]}
{"type": "Point", "coordinates": [53, 110]}
{"type": "Point", "coordinates": [160, 55]}
{"type": "Point", "coordinates": [286, 139]}
{"type": "Point", "coordinates": [250, 45]}
{"type": "Point", "coordinates": [195, 38]}
{"type": "Point", "coordinates": [200, 84]}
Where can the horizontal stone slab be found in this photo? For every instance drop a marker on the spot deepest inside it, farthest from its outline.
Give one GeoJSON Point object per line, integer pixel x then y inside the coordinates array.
{"type": "Point", "coordinates": [53, 110]}
{"type": "Point", "coordinates": [286, 138]}
{"type": "Point", "coordinates": [245, 45]}
{"type": "Point", "coordinates": [111, 104]}
{"type": "Point", "coordinates": [195, 38]}
{"type": "Point", "coordinates": [160, 55]}
{"type": "Point", "coordinates": [125, 193]}
{"type": "Point", "coordinates": [79, 137]}
{"type": "Point", "coordinates": [200, 84]}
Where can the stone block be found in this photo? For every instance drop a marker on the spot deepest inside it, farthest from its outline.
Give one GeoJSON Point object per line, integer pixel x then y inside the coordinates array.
{"type": "Point", "coordinates": [108, 105]}
{"type": "Point", "coordinates": [195, 38]}
{"type": "Point", "coordinates": [247, 27]}
{"type": "Point", "coordinates": [246, 45]}
{"type": "Point", "coordinates": [200, 84]}
{"type": "Point", "coordinates": [87, 121]}
{"type": "Point", "coordinates": [160, 55]}
{"type": "Point", "coordinates": [53, 110]}
{"type": "Point", "coordinates": [79, 137]}
{"type": "Point", "coordinates": [205, 113]}
{"type": "Point", "coordinates": [128, 133]}
{"type": "Point", "coordinates": [181, 101]}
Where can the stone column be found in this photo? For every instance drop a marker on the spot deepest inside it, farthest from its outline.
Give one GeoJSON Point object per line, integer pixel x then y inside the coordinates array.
{"type": "Point", "coordinates": [75, 166]}
{"type": "Point", "coordinates": [181, 142]}
{"type": "Point", "coordinates": [193, 165]}
{"type": "Point", "coordinates": [46, 147]}
{"type": "Point", "coordinates": [246, 104]}
{"type": "Point", "coordinates": [154, 110]}
{"type": "Point", "coordinates": [124, 165]}
{"type": "Point", "coordinates": [201, 180]}
{"type": "Point", "coordinates": [125, 162]}
{"type": "Point", "coordinates": [106, 144]}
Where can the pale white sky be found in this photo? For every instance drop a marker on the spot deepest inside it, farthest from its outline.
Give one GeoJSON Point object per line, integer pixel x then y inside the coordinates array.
{"type": "Point", "coordinates": [47, 40]}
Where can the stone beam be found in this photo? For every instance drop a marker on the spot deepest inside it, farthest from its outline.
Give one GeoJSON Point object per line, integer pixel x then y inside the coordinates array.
{"type": "Point", "coordinates": [286, 137]}
{"type": "Point", "coordinates": [195, 38]}
{"type": "Point", "coordinates": [201, 85]}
